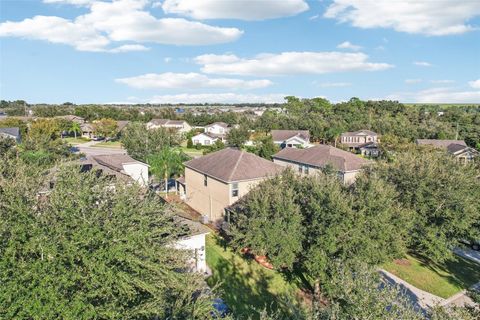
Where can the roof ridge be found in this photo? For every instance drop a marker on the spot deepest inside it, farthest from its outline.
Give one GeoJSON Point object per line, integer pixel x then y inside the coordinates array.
{"type": "Point", "coordinates": [236, 164]}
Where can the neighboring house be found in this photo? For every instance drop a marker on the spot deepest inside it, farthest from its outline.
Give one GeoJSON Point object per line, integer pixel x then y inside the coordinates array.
{"type": "Point", "coordinates": [194, 240]}
{"type": "Point", "coordinates": [217, 180]}
{"type": "Point", "coordinates": [122, 165]}
{"type": "Point", "coordinates": [291, 138]}
{"type": "Point", "coordinates": [217, 128]}
{"type": "Point", "coordinates": [357, 138]}
{"type": "Point", "coordinates": [121, 124]}
{"type": "Point", "coordinates": [457, 148]}
{"type": "Point", "coordinates": [73, 118]}
{"type": "Point", "coordinates": [369, 149]}
{"type": "Point", "coordinates": [179, 125]}
{"type": "Point", "coordinates": [315, 159]}
{"type": "Point", "coordinates": [13, 132]}
{"type": "Point", "coordinates": [204, 139]}
{"type": "Point", "coordinates": [87, 130]}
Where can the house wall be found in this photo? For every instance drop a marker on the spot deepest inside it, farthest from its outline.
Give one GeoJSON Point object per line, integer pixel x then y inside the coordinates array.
{"type": "Point", "coordinates": [216, 129]}
{"type": "Point", "coordinates": [203, 140]}
{"type": "Point", "coordinates": [138, 172]}
{"type": "Point", "coordinates": [360, 139]}
{"type": "Point", "coordinates": [195, 244]}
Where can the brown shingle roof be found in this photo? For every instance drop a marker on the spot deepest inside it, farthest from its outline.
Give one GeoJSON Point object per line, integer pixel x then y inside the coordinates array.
{"type": "Point", "coordinates": [321, 155]}
{"type": "Point", "coordinates": [115, 161]}
{"type": "Point", "coordinates": [229, 165]}
{"type": "Point", "coordinates": [282, 135]}
{"type": "Point", "coordinates": [440, 143]}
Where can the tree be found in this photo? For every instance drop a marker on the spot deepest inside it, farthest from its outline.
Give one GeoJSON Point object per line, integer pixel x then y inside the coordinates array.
{"type": "Point", "coordinates": [6, 145]}
{"type": "Point", "coordinates": [267, 148]}
{"type": "Point", "coordinates": [75, 128]}
{"type": "Point", "coordinates": [166, 164]}
{"type": "Point", "coordinates": [441, 193]}
{"type": "Point", "coordinates": [236, 137]}
{"type": "Point", "coordinates": [105, 127]}
{"type": "Point", "coordinates": [83, 251]}
{"type": "Point", "coordinates": [141, 142]}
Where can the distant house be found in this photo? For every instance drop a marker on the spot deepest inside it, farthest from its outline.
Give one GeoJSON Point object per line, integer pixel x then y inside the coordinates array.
{"type": "Point", "coordinates": [217, 180]}
{"type": "Point", "coordinates": [122, 166]}
{"type": "Point", "coordinates": [121, 124]}
{"type": "Point", "coordinates": [357, 138]}
{"type": "Point", "coordinates": [217, 128]}
{"type": "Point", "coordinates": [88, 131]}
{"type": "Point", "coordinates": [13, 132]}
{"type": "Point", "coordinates": [180, 125]}
{"type": "Point", "coordinates": [369, 149]}
{"type": "Point", "coordinates": [457, 148]}
{"type": "Point", "coordinates": [205, 139]}
{"type": "Point", "coordinates": [291, 138]}
{"type": "Point", "coordinates": [193, 240]}
{"type": "Point", "coordinates": [317, 158]}
{"type": "Point", "coordinates": [74, 118]}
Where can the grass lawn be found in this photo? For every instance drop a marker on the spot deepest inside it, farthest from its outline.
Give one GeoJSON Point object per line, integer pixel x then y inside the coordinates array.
{"type": "Point", "coordinates": [74, 141]}
{"type": "Point", "coordinates": [108, 144]}
{"type": "Point", "coordinates": [443, 280]}
{"type": "Point", "coordinates": [244, 284]}
{"type": "Point", "coordinates": [191, 150]}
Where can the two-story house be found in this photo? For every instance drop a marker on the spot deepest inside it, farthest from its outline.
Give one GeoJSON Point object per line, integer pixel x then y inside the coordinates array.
{"type": "Point", "coordinates": [291, 138]}
{"type": "Point", "coordinates": [318, 158]}
{"type": "Point", "coordinates": [217, 128]}
{"type": "Point", "coordinates": [358, 138]}
{"type": "Point", "coordinates": [217, 180]}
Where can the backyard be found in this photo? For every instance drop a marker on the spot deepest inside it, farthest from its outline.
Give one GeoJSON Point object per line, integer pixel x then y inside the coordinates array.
{"type": "Point", "coordinates": [244, 284]}
{"type": "Point", "coordinates": [443, 280]}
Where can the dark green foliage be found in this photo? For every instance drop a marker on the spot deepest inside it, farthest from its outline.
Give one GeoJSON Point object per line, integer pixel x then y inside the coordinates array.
{"type": "Point", "coordinates": [236, 137]}
{"type": "Point", "coordinates": [85, 250]}
{"type": "Point", "coordinates": [189, 143]}
{"type": "Point", "coordinates": [267, 148]}
{"type": "Point", "coordinates": [6, 145]}
{"type": "Point", "coordinates": [218, 145]}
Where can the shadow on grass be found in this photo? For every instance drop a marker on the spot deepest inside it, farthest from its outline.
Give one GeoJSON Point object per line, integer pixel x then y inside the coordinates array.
{"type": "Point", "coordinates": [458, 271]}
{"type": "Point", "coordinates": [248, 288]}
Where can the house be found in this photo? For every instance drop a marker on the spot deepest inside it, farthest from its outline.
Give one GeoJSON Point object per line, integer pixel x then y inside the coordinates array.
{"type": "Point", "coordinates": [13, 132]}
{"type": "Point", "coordinates": [457, 148]}
{"type": "Point", "coordinates": [88, 131]}
{"type": "Point", "coordinates": [73, 118]}
{"type": "Point", "coordinates": [291, 138]}
{"type": "Point", "coordinates": [217, 180]}
{"type": "Point", "coordinates": [180, 125]}
{"type": "Point", "coordinates": [204, 139]}
{"type": "Point", "coordinates": [217, 128]}
{"type": "Point", "coordinates": [369, 149]}
{"type": "Point", "coordinates": [317, 158]}
{"type": "Point", "coordinates": [122, 166]}
{"type": "Point", "coordinates": [357, 138]}
{"type": "Point", "coordinates": [193, 240]}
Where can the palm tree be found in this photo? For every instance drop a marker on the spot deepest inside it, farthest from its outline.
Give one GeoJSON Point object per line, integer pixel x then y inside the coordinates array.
{"type": "Point", "coordinates": [74, 127]}
{"type": "Point", "coordinates": [166, 164]}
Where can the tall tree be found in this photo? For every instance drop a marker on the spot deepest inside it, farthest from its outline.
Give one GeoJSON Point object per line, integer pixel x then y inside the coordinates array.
{"type": "Point", "coordinates": [236, 137]}
{"type": "Point", "coordinates": [105, 127]}
{"type": "Point", "coordinates": [166, 164]}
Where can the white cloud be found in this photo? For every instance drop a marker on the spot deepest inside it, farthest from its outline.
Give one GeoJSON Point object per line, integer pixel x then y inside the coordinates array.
{"type": "Point", "coordinates": [348, 45]}
{"type": "Point", "coordinates": [238, 9]}
{"type": "Point", "coordinates": [315, 17]}
{"type": "Point", "coordinates": [438, 95]}
{"type": "Point", "coordinates": [442, 81]}
{"type": "Point", "coordinates": [219, 98]}
{"type": "Point", "coordinates": [122, 20]}
{"type": "Point", "coordinates": [128, 48]}
{"type": "Point", "coordinates": [413, 81]}
{"type": "Point", "coordinates": [191, 80]}
{"type": "Point", "coordinates": [73, 2]}
{"type": "Point", "coordinates": [333, 84]}
{"type": "Point", "coordinates": [422, 63]}
{"type": "Point", "coordinates": [288, 63]}
{"type": "Point", "coordinates": [435, 17]}
{"type": "Point", "coordinates": [474, 84]}
{"type": "Point", "coordinates": [167, 59]}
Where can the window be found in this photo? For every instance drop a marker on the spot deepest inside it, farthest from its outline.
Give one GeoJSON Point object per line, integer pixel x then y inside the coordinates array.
{"type": "Point", "coordinates": [196, 142]}
{"type": "Point", "coordinates": [300, 168]}
{"type": "Point", "coordinates": [205, 183]}
{"type": "Point", "coordinates": [306, 169]}
{"type": "Point", "coordinates": [207, 142]}
{"type": "Point", "coordinates": [235, 189]}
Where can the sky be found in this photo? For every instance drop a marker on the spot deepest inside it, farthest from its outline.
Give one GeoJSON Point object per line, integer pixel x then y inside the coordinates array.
{"type": "Point", "coordinates": [226, 51]}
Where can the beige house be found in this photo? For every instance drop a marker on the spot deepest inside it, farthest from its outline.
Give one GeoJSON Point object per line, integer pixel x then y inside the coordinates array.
{"type": "Point", "coordinates": [291, 138]}
{"type": "Point", "coordinates": [315, 159]}
{"type": "Point", "coordinates": [357, 138]}
{"type": "Point", "coordinates": [179, 125]}
{"type": "Point", "coordinates": [217, 180]}
{"type": "Point", "coordinates": [457, 148]}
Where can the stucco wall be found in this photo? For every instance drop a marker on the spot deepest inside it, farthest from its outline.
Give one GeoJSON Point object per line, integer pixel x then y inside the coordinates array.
{"type": "Point", "coordinates": [196, 245]}
{"type": "Point", "coordinates": [138, 172]}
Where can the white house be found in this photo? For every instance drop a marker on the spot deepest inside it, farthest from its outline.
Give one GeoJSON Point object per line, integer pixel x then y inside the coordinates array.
{"type": "Point", "coordinates": [194, 241]}
{"type": "Point", "coordinates": [204, 139]}
{"type": "Point", "coordinates": [13, 133]}
{"type": "Point", "coordinates": [181, 126]}
{"type": "Point", "coordinates": [291, 138]}
{"type": "Point", "coordinates": [122, 165]}
{"type": "Point", "coordinates": [218, 128]}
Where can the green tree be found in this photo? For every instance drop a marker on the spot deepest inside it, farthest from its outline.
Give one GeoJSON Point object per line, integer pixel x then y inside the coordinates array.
{"type": "Point", "coordinates": [105, 127]}
{"type": "Point", "coordinates": [75, 128]}
{"type": "Point", "coordinates": [236, 137]}
{"type": "Point", "coordinates": [267, 148]}
{"type": "Point", "coordinates": [83, 251]}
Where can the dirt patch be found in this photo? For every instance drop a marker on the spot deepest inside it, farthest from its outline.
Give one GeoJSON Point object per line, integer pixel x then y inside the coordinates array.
{"type": "Point", "coordinates": [402, 262]}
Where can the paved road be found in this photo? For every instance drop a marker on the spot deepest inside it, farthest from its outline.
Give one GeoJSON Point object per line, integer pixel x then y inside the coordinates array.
{"type": "Point", "coordinates": [89, 150]}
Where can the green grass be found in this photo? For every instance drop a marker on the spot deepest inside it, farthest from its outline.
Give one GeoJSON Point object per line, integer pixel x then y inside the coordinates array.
{"type": "Point", "coordinates": [191, 150]}
{"type": "Point", "coordinates": [245, 285]}
{"type": "Point", "coordinates": [74, 141]}
{"type": "Point", "coordinates": [108, 144]}
{"type": "Point", "coordinates": [443, 280]}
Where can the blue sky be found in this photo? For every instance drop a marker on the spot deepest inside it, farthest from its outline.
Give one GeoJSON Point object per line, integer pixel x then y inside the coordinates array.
{"type": "Point", "coordinates": [139, 51]}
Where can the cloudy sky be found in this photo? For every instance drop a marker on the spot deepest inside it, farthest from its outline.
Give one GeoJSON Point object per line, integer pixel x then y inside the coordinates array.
{"type": "Point", "coordinates": [137, 51]}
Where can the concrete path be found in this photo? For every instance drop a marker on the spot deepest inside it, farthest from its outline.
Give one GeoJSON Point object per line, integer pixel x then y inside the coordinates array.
{"type": "Point", "coordinates": [419, 298]}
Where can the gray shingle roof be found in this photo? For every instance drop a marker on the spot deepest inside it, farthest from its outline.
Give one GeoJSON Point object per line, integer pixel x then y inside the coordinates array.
{"type": "Point", "coordinates": [359, 133]}
{"type": "Point", "coordinates": [229, 165]}
{"type": "Point", "coordinates": [162, 122]}
{"type": "Point", "coordinates": [13, 131]}
{"type": "Point", "coordinates": [321, 155]}
{"type": "Point", "coordinates": [440, 143]}
{"type": "Point", "coordinates": [115, 161]}
{"type": "Point", "coordinates": [221, 124]}
{"type": "Point", "coordinates": [282, 135]}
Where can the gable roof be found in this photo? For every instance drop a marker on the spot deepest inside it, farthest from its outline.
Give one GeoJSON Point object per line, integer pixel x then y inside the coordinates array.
{"type": "Point", "coordinates": [229, 165]}
{"type": "Point", "coordinates": [12, 131]}
{"type": "Point", "coordinates": [321, 155]}
{"type": "Point", "coordinates": [121, 124]}
{"type": "Point", "coordinates": [440, 143]}
{"type": "Point", "coordinates": [115, 161]}
{"type": "Point", "coordinates": [221, 124]}
{"type": "Point", "coordinates": [282, 135]}
{"type": "Point", "coordinates": [207, 134]}
{"type": "Point", "coordinates": [167, 122]}
{"type": "Point", "coordinates": [359, 133]}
